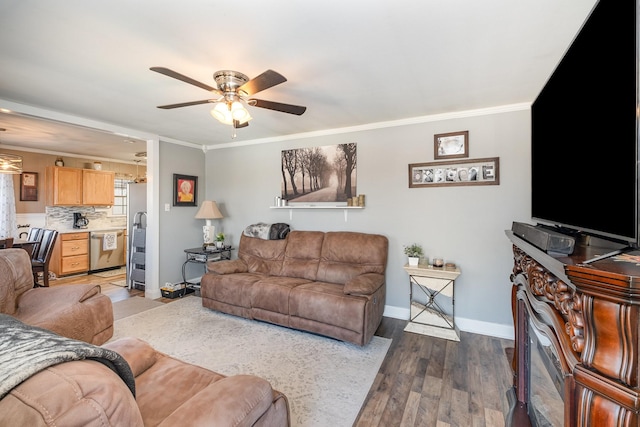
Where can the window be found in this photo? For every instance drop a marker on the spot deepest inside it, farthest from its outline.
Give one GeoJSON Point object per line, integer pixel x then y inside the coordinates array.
{"type": "Point", "coordinates": [119, 207]}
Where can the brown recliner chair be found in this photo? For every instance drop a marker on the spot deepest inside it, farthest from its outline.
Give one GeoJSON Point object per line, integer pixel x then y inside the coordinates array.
{"type": "Point", "coordinates": [80, 312]}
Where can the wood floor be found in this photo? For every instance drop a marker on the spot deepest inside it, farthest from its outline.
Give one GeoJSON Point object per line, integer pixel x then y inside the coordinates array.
{"type": "Point", "coordinates": [423, 381]}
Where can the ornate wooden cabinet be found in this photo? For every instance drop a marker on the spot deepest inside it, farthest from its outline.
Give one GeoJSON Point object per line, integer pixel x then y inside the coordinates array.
{"type": "Point", "coordinates": [577, 328]}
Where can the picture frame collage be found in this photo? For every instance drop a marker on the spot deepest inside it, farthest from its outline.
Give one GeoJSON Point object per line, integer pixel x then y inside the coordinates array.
{"type": "Point", "coordinates": [454, 172]}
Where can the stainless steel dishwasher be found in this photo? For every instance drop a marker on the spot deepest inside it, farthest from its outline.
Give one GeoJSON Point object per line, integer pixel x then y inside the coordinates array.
{"type": "Point", "coordinates": [107, 249]}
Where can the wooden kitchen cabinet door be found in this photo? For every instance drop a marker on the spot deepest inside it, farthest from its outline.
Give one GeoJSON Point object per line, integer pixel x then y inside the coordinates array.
{"type": "Point", "coordinates": [97, 187]}
{"type": "Point", "coordinates": [64, 186]}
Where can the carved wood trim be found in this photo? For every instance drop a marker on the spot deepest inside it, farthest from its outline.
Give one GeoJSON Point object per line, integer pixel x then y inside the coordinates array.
{"type": "Point", "coordinates": [547, 287]}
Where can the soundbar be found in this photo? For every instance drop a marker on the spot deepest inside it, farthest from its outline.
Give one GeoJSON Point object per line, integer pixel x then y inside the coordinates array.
{"type": "Point", "coordinates": [543, 238]}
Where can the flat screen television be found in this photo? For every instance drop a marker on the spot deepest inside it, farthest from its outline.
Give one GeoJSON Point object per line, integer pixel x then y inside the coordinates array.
{"type": "Point", "coordinates": [584, 131]}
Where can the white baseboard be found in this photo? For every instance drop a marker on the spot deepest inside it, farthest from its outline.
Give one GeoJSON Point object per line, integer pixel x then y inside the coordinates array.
{"type": "Point", "coordinates": [468, 325]}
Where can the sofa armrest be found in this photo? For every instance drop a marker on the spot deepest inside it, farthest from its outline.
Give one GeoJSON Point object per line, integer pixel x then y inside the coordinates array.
{"type": "Point", "coordinates": [364, 284]}
{"type": "Point", "coordinates": [65, 294]}
{"type": "Point", "coordinates": [227, 267]}
{"type": "Point", "coordinates": [138, 353]}
{"type": "Point", "coordinates": [239, 400]}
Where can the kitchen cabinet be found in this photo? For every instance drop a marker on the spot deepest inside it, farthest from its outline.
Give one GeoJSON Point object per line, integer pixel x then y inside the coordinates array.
{"type": "Point", "coordinates": [75, 187]}
{"type": "Point", "coordinates": [70, 254]}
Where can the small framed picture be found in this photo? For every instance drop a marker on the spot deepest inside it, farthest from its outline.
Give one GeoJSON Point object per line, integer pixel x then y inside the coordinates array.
{"type": "Point", "coordinates": [185, 190]}
{"type": "Point", "coordinates": [455, 172]}
{"type": "Point", "coordinates": [453, 145]}
{"type": "Point", "coordinates": [29, 186]}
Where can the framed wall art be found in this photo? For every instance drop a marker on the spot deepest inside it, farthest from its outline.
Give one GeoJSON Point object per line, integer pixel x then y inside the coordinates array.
{"type": "Point", "coordinates": [451, 145]}
{"type": "Point", "coordinates": [185, 190]}
{"type": "Point", "coordinates": [29, 186]}
{"type": "Point", "coordinates": [321, 174]}
{"type": "Point", "coordinates": [455, 172]}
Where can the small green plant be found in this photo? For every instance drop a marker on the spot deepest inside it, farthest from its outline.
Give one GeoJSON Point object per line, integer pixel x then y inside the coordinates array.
{"type": "Point", "coordinates": [220, 237]}
{"type": "Point", "coordinates": [413, 250]}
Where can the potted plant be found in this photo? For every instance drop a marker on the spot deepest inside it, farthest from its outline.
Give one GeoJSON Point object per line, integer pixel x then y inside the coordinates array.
{"type": "Point", "coordinates": [220, 240]}
{"type": "Point", "coordinates": [413, 252]}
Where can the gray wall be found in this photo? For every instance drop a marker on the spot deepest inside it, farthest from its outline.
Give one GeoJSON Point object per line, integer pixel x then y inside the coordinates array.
{"type": "Point", "coordinates": [463, 224]}
{"type": "Point", "coordinates": [179, 229]}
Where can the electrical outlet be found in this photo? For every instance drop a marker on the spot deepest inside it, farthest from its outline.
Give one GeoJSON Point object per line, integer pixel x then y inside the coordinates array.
{"type": "Point", "coordinates": [167, 207]}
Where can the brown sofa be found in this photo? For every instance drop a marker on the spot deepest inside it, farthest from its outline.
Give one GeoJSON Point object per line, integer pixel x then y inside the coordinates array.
{"type": "Point", "coordinates": [125, 383]}
{"type": "Point", "coordinates": [80, 312]}
{"type": "Point", "coordinates": [328, 283]}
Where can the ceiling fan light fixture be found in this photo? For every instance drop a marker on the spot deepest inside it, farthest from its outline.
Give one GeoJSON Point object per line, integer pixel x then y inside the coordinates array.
{"type": "Point", "coordinates": [10, 164]}
{"type": "Point", "coordinates": [221, 113]}
{"type": "Point", "coordinates": [227, 113]}
{"type": "Point", "coordinates": [239, 113]}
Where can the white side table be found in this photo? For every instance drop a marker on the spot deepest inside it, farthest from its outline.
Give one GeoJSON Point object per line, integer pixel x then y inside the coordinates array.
{"type": "Point", "coordinates": [432, 301]}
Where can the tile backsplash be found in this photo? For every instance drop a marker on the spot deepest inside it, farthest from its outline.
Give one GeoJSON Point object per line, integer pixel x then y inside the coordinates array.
{"type": "Point", "coordinates": [61, 217]}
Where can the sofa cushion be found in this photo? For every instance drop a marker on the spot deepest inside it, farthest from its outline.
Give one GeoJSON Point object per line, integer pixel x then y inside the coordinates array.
{"type": "Point", "coordinates": [198, 396]}
{"type": "Point", "coordinates": [272, 293]}
{"type": "Point", "coordinates": [262, 256]}
{"type": "Point", "coordinates": [327, 303]}
{"type": "Point", "coordinates": [233, 289]}
{"type": "Point", "coordinates": [347, 254]}
{"type": "Point", "coordinates": [302, 254]}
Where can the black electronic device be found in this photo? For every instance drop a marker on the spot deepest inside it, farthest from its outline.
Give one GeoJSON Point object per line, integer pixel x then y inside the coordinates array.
{"type": "Point", "coordinates": [584, 141]}
{"type": "Point", "coordinates": [544, 238]}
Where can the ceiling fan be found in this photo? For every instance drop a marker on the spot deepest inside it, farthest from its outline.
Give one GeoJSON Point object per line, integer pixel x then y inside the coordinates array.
{"type": "Point", "coordinates": [234, 89]}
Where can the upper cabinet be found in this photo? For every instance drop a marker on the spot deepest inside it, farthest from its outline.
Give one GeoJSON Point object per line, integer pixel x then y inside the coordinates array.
{"type": "Point", "coordinates": [74, 186]}
{"type": "Point", "coordinates": [97, 187]}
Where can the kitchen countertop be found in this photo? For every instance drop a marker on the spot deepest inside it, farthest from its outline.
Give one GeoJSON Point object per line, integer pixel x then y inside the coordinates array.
{"type": "Point", "coordinates": [89, 229]}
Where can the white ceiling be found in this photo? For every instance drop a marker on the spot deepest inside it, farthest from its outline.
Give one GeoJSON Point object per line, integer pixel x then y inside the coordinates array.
{"type": "Point", "coordinates": [350, 62]}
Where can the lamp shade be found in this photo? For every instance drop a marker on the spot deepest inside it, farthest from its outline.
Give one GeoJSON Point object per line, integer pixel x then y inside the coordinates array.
{"type": "Point", "coordinates": [10, 163]}
{"type": "Point", "coordinates": [209, 210]}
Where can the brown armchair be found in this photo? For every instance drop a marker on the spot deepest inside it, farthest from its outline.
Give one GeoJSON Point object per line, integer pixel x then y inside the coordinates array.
{"type": "Point", "coordinates": [80, 312]}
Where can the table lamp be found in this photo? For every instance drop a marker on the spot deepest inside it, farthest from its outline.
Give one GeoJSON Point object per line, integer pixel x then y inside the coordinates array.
{"type": "Point", "coordinates": [208, 211]}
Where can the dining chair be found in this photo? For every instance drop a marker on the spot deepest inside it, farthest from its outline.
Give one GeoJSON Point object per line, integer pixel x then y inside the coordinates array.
{"type": "Point", "coordinates": [42, 255]}
{"type": "Point", "coordinates": [35, 234]}
{"type": "Point", "coordinates": [6, 243]}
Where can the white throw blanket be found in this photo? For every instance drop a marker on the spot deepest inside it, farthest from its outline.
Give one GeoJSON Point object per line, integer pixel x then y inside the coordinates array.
{"type": "Point", "coordinates": [110, 241]}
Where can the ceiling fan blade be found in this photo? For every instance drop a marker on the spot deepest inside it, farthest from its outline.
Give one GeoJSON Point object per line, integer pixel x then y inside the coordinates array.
{"type": "Point", "coordinates": [277, 106]}
{"type": "Point", "coordinates": [182, 77]}
{"type": "Point", "coordinates": [185, 104]}
{"type": "Point", "coordinates": [264, 81]}
{"type": "Point", "coordinates": [238, 125]}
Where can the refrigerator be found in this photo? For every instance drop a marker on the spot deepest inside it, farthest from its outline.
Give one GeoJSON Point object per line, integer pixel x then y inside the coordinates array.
{"type": "Point", "coordinates": [136, 220]}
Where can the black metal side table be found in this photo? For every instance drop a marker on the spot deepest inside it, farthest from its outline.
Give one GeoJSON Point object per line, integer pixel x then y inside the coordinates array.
{"type": "Point", "coordinates": [202, 256]}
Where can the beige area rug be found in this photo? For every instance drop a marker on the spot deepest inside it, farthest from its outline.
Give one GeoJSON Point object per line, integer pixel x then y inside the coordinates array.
{"type": "Point", "coordinates": [111, 273]}
{"type": "Point", "coordinates": [133, 305]}
{"type": "Point", "coordinates": [326, 381]}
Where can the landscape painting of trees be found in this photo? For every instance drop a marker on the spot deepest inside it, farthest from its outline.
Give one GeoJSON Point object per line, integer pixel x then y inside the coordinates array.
{"type": "Point", "coordinates": [319, 174]}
